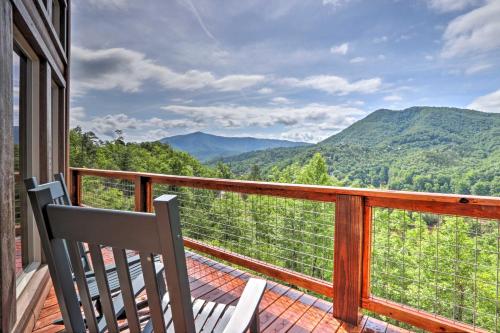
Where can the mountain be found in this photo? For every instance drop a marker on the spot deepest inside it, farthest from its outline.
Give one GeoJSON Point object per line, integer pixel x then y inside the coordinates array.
{"type": "Point", "coordinates": [419, 148]}
{"type": "Point", "coordinates": [208, 147]}
{"type": "Point", "coordinates": [419, 127]}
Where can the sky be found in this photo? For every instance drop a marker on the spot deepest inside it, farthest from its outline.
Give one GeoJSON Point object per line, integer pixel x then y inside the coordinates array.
{"type": "Point", "coordinates": [287, 69]}
{"type": "Point", "coordinates": [16, 74]}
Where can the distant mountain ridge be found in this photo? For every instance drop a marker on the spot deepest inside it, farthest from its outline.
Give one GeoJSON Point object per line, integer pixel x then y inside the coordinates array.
{"type": "Point", "coordinates": [418, 126]}
{"type": "Point", "coordinates": [420, 148]}
{"type": "Point", "coordinates": [208, 146]}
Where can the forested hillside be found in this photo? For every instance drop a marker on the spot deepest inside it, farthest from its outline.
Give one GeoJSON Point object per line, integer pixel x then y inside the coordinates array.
{"type": "Point", "coordinates": [421, 148]}
{"type": "Point", "coordinates": [87, 150]}
{"type": "Point", "coordinates": [298, 234]}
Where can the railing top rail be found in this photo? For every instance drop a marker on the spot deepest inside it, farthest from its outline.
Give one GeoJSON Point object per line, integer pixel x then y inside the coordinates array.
{"type": "Point", "coordinates": [353, 233]}
{"type": "Point", "coordinates": [312, 192]}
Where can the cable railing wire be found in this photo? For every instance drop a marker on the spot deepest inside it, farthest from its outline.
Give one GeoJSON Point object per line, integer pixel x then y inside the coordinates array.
{"type": "Point", "coordinates": [289, 233]}
{"type": "Point", "coordinates": [443, 264]}
{"type": "Point", "coordinates": [101, 192]}
{"type": "Point", "coordinates": [446, 265]}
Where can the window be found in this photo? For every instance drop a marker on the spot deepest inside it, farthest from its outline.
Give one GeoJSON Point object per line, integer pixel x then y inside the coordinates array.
{"type": "Point", "coordinates": [57, 100]}
{"type": "Point", "coordinates": [26, 73]}
{"type": "Point", "coordinates": [58, 16]}
{"type": "Point", "coordinates": [18, 162]}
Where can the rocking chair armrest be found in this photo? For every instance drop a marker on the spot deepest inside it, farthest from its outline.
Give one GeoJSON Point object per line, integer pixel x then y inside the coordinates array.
{"type": "Point", "coordinates": [247, 309]}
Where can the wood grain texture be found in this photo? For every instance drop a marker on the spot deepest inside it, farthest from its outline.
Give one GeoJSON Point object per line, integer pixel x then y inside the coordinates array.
{"type": "Point", "coordinates": [347, 258]}
{"type": "Point", "coordinates": [31, 301]}
{"type": "Point", "coordinates": [40, 25]}
{"type": "Point", "coordinates": [45, 149]}
{"type": "Point", "coordinates": [62, 132]}
{"type": "Point", "coordinates": [294, 278]}
{"type": "Point", "coordinates": [311, 192]}
{"type": "Point", "coordinates": [29, 21]}
{"type": "Point", "coordinates": [104, 290]}
{"type": "Point", "coordinates": [172, 250]}
{"type": "Point", "coordinates": [295, 311]}
{"type": "Point", "coordinates": [67, 95]}
{"type": "Point", "coordinates": [353, 240]}
{"type": "Point", "coordinates": [75, 185]}
{"type": "Point", "coordinates": [55, 39]}
{"type": "Point", "coordinates": [83, 289]}
{"type": "Point", "coordinates": [317, 316]}
{"type": "Point", "coordinates": [7, 227]}
{"type": "Point", "coordinates": [367, 250]}
{"type": "Point", "coordinates": [142, 194]}
{"type": "Point", "coordinates": [59, 267]}
{"type": "Point", "coordinates": [461, 209]}
{"type": "Point", "coordinates": [127, 290]}
{"type": "Point", "coordinates": [412, 316]}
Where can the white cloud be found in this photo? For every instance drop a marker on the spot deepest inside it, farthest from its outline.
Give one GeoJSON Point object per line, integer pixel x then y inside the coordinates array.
{"type": "Point", "coordinates": [488, 103]}
{"type": "Point", "coordinates": [356, 102]}
{"type": "Point", "coordinates": [444, 6]}
{"type": "Point", "coordinates": [77, 116]}
{"type": "Point", "coordinates": [16, 115]}
{"type": "Point", "coordinates": [381, 57]}
{"type": "Point", "coordinates": [357, 60]}
{"type": "Point", "coordinates": [477, 68]}
{"type": "Point", "coordinates": [134, 129]}
{"type": "Point", "coordinates": [340, 49]}
{"type": "Point", "coordinates": [281, 100]}
{"type": "Point", "coordinates": [127, 70]}
{"type": "Point", "coordinates": [181, 100]}
{"type": "Point", "coordinates": [380, 39]}
{"type": "Point", "coordinates": [474, 32]}
{"type": "Point", "coordinates": [335, 3]}
{"type": "Point", "coordinates": [393, 98]}
{"type": "Point", "coordinates": [334, 84]}
{"type": "Point", "coordinates": [317, 132]}
{"type": "Point", "coordinates": [265, 91]}
{"type": "Point", "coordinates": [110, 3]}
{"type": "Point", "coordinates": [429, 58]}
{"type": "Point", "coordinates": [237, 82]}
{"type": "Point", "coordinates": [238, 116]}
{"type": "Point", "coordinates": [302, 135]}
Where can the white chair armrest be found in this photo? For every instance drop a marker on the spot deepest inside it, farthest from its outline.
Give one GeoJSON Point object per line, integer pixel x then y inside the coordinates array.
{"type": "Point", "coordinates": [247, 307]}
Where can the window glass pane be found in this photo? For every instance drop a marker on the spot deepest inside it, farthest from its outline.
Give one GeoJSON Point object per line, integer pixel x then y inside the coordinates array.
{"type": "Point", "coordinates": [56, 16]}
{"type": "Point", "coordinates": [17, 162]}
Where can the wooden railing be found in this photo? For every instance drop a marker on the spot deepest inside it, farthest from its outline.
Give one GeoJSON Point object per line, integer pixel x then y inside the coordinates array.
{"type": "Point", "coordinates": [350, 288]}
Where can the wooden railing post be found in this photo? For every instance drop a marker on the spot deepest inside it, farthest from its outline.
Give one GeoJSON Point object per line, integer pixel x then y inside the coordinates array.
{"type": "Point", "coordinates": [367, 251]}
{"type": "Point", "coordinates": [76, 187]}
{"type": "Point", "coordinates": [348, 258]}
{"type": "Point", "coordinates": [143, 194]}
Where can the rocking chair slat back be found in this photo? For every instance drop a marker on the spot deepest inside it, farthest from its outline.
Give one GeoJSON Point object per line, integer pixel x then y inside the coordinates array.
{"type": "Point", "coordinates": [145, 233]}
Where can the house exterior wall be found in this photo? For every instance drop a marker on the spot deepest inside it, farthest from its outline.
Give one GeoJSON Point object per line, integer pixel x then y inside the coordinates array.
{"type": "Point", "coordinates": [39, 30]}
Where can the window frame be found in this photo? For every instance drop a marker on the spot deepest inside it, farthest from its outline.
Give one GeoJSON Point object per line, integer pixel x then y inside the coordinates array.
{"type": "Point", "coordinates": [29, 129]}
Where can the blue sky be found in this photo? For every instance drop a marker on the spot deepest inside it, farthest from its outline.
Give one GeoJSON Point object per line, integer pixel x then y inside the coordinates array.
{"type": "Point", "coordinates": [291, 69]}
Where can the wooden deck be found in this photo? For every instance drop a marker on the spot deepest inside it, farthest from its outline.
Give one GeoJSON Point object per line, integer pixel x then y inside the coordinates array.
{"type": "Point", "coordinates": [19, 256]}
{"type": "Point", "coordinates": [283, 309]}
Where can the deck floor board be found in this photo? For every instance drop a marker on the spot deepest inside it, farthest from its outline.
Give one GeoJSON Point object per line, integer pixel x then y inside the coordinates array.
{"type": "Point", "coordinates": [283, 309]}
